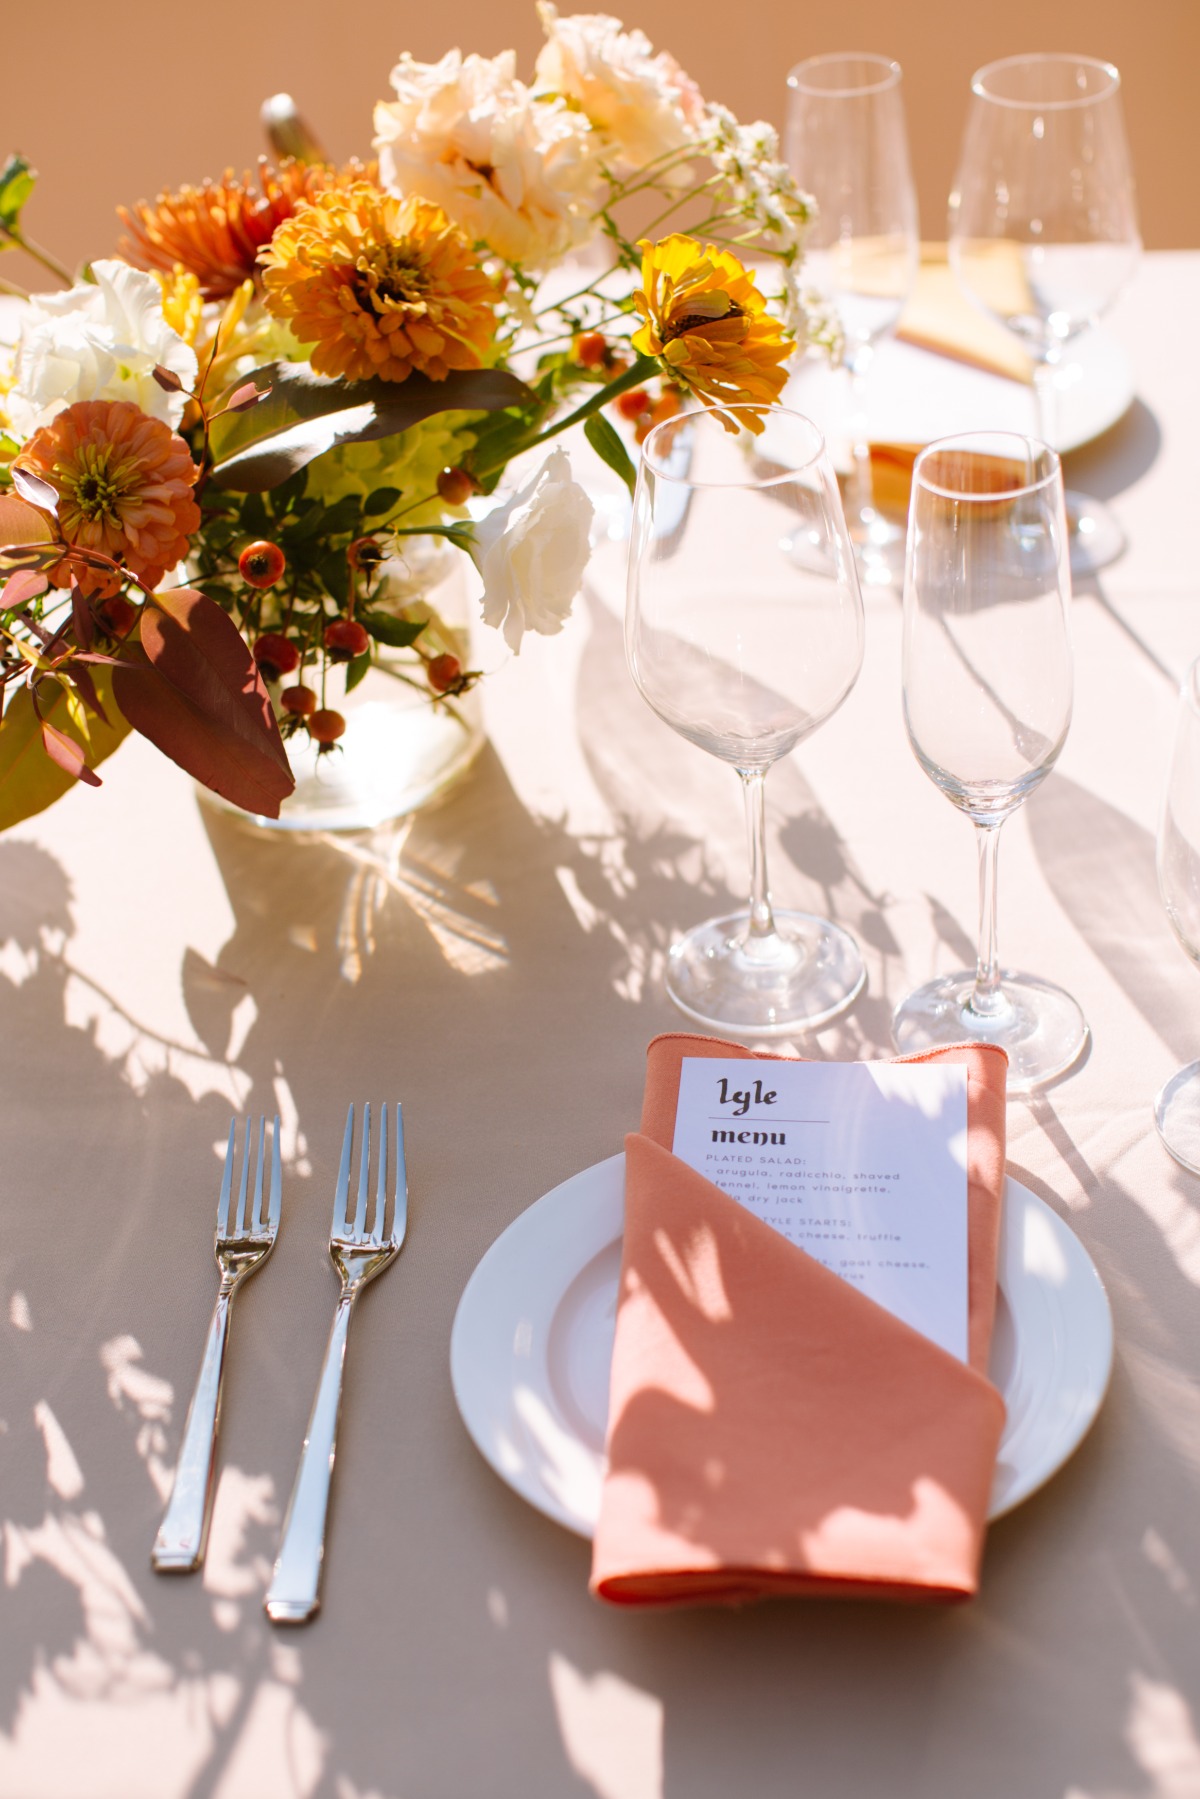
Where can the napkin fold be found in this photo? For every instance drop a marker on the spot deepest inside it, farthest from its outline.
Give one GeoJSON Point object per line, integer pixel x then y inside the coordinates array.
{"type": "Point", "coordinates": [771, 1429]}
{"type": "Point", "coordinates": [940, 317]}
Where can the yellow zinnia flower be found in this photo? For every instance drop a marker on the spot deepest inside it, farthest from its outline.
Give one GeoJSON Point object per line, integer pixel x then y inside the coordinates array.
{"type": "Point", "coordinates": [381, 286]}
{"type": "Point", "coordinates": [707, 321]}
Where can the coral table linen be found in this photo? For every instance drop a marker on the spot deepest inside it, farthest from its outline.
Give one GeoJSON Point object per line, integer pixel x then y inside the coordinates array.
{"type": "Point", "coordinates": [771, 1429]}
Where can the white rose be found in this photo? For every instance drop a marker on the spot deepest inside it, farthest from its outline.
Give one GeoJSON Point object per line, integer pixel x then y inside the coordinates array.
{"type": "Point", "coordinates": [644, 105]}
{"type": "Point", "coordinates": [532, 552]}
{"type": "Point", "coordinates": [519, 174]}
{"type": "Point", "coordinates": [98, 341]}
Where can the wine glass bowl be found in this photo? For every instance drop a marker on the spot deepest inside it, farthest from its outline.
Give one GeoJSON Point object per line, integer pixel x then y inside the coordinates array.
{"type": "Point", "coordinates": [1043, 230]}
{"type": "Point", "coordinates": [847, 146]}
{"type": "Point", "coordinates": [745, 654]}
{"type": "Point", "coordinates": [1177, 1106]}
{"type": "Point", "coordinates": [987, 694]}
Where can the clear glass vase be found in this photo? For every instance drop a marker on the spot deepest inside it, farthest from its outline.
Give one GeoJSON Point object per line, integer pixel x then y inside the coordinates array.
{"type": "Point", "coordinates": [400, 748]}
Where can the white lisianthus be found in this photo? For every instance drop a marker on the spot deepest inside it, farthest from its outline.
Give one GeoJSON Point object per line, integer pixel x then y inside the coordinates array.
{"type": "Point", "coordinates": [518, 174]}
{"type": "Point", "coordinates": [532, 552]}
{"type": "Point", "coordinates": [643, 105]}
{"type": "Point", "coordinates": [98, 341]}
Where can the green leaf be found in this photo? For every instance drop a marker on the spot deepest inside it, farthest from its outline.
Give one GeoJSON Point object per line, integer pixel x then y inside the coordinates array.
{"type": "Point", "coordinates": [334, 571]}
{"type": "Point", "coordinates": [356, 669]}
{"type": "Point", "coordinates": [396, 633]}
{"type": "Point", "coordinates": [16, 184]}
{"type": "Point", "coordinates": [607, 444]}
{"type": "Point", "coordinates": [306, 414]}
{"type": "Point", "coordinates": [382, 500]}
{"type": "Point", "coordinates": [29, 780]}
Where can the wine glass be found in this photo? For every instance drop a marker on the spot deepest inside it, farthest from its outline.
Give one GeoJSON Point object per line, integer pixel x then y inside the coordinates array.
{"type": "Point", "coordinates": [847, 147]}
{"type": "Point", "coordinates": [988, 684]}
{"type": "Point", "coordinates": [744, 653]}
{"type": "Point", "coordinates": [1043, 227]}
{"type": "Point", "coordinates": [1177, 1107]}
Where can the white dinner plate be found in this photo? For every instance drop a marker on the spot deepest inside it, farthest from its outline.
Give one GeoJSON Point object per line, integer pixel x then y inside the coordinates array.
{"type": "Point", "coordinates": [913, 395]}
{"type": "Point", "coordinates": [533, 1336]}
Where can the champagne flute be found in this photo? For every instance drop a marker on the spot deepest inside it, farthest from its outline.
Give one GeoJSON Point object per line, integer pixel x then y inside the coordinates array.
{"type": "Point", "coordinates": [1043, 227]}
{"type": "Point", "coordinates": [847, 147]}
{"type": "Point", "coordinates": [1177, 1107]}
{"type": "Point", "coordinates": [988, 684]}
{"type": "Point", "coordinates": [744, 653]}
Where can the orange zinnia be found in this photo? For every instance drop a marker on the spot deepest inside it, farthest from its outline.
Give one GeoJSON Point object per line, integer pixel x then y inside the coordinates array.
{"type": "Point", "coordinates": [124, 482]}
{"type": "Point", "coordinates": [216, 231]}
{"type": "Point", "coordinates": [380, 285]}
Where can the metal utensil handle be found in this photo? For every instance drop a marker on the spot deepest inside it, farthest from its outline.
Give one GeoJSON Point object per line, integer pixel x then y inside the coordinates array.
{"type": "Point", "coordinates": [183, 1534]}
{"type": "Point", "coordinates": [294, 1593]}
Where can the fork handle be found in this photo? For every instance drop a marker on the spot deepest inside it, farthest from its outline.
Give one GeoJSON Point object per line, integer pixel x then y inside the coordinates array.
{"type": "Point", "coordinates": [183, 1534]}
{"type": "Point", "coordinates": [294, 1593]}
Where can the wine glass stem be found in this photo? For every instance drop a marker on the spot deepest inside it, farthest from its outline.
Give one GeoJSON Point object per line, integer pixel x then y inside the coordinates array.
{"type": "Point", "coordinates": [1045, 389]}
{"type": "Point", "coordinates": [861, 491]}
{"type": "Point", "coordinates": [986, 998]}
{"type": "Point", "coordinates": [762, 919]}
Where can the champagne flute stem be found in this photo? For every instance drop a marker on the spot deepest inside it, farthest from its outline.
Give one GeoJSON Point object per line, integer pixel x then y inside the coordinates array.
{"type": "Point", "coordinates": [861, 492]}
{"type": "Point", "coordinates": [762, 919]}
{"type": "Point", "coordinates": [987, 998]}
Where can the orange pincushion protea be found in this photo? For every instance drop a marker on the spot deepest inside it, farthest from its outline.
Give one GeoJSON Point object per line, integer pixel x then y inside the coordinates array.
{"type": "Point", "coordinates": [216, 231]}
{"type": "Point", "coordinates": [380, 285]}
{"type": "Point", "coordinates": [124, 482]}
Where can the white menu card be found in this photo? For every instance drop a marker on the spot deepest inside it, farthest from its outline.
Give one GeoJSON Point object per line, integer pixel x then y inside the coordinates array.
{"type": "Point", "coordinates": [862, 1164]}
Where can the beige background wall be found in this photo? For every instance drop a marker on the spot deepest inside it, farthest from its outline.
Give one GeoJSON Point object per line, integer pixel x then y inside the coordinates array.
{"type": "Point", "coordinates": [112, 101]}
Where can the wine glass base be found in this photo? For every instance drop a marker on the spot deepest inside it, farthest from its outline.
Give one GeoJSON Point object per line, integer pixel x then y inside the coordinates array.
{"type": "Point", "coordinates": [1177, 1115]}
{"type": "Point", "coordinates": [799, 979]}
{"type": "Point", "coordinates": [1039, 1025]}
{"type": "Point", "coordinates": [878, 547]}
{"type": "Point", "coordinates": [1094, 536]}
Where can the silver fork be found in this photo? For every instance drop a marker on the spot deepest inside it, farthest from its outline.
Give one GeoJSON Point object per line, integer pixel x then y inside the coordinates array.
{"type": "Point", "coordinates": [358, 1255]}
{"type": "Point", "coordinates": [183, 1535]}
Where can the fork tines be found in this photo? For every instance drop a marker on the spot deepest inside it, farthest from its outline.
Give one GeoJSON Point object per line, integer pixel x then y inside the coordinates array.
{"type": "Point", "coordinates": [354, 1229]}
{"type": "Point", "coordinates": [256, 1224]}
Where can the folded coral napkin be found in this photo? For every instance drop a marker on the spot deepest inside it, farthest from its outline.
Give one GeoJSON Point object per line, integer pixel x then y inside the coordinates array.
{"type": "Point", "coordinates": [771, 1429]}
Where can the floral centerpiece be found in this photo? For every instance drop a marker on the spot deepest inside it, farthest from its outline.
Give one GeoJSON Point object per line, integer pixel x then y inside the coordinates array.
{"type": "Point", "coordinates": [237, 450]}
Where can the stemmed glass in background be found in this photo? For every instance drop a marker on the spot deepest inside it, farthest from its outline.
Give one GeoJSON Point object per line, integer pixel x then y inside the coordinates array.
{"type": "Point", "coordinates": [745, 653]}
{"type": "Point", "coordinates": [847, 147]}
{"type": "Point", "coordinates": [987, 674]}
{"type": "Point", "coordinates": [1177, 1108]}
{"type": "Point", "coordinates": [1043, 226]}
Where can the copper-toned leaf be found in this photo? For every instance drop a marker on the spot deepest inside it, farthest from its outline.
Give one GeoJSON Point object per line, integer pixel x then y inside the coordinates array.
{"type": "Point", "coordinates": [167, 379]}
{"type": "Point", "coordinates": [81, 618]}
{"type": "Point", "coordinates": [66, 753]}
{"type": "Point", "coordinates": [302, 414]}
{"type": "Point", "coordinates": [83, 681]}
{"type": "Point", "coordinates": [35, 490]}
{"type": "Point", "coordinates": [245, 396]}
{"type": "Point", "coordinates": [197, 694]}
{"type": "Point", "coordinates": [29, 780]}
{"type": "Point", "coordinates": [20, 588]}
{"type": "Point", "coordinates": [21, 523]}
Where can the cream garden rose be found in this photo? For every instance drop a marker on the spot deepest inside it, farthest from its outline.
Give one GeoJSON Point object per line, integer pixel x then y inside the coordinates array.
{"type": "Point", "coordinates": [641, 104]}
{"type": "Point", "coordinates": [532, 552]}
{"type": "Point", "coordinates": [519, 174]}
{"type": "Point", "coordinates": [98, 341]}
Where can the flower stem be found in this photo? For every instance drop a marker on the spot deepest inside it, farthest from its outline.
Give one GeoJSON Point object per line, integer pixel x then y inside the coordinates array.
{"type": "Point", "coordinates": [642, 370]}
{"type": "Point", "coordinates": [38, 254]}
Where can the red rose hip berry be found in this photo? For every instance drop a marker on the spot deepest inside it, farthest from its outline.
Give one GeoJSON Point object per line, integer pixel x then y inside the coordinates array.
{"type": "Point", "coordinates": [275, 655]}
{"type": "Point", "coordinates": [299, 700]}
{"type": "Point", "coordinates": [325, 726]}
{"type": "Point", "coordinates": [261, 564]}
{"type": "Point", "coordinates": [345, 639]}
{"type": "Point", "coordinates": [455, 486]}
{"type": "Point", "coordinates": [443, 672]}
